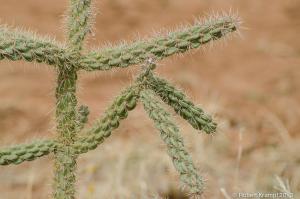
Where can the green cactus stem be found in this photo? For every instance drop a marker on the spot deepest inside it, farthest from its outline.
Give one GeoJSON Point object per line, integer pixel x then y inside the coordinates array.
{"type": "Point", "coordinates": [169, 133]}
{"type": "Point", "coordinates": [66, 107]}
{"type": "Point", "coordinates": [181, 105]}
{"type": "Point", "coordinates": [159, 47]}
{"type": "Point", "coordinates": [17, 45]}
{"type": "Point", "coordinates": [26, 152]}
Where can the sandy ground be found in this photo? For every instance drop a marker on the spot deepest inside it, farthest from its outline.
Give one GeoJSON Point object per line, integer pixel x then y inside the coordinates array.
{"type": "Point", "coordinates": [249, 82]}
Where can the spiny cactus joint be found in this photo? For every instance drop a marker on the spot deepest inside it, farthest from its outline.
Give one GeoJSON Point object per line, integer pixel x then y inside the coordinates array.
{"type": "Point", "coordinates": [71, 119]}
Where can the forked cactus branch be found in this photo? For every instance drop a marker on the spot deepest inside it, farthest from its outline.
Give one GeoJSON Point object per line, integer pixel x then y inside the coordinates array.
{"type": "Point", "coordinates": [169, 133]}
{"type": "Point", "coordinates": [181, 105]}
{"type": "Point", "coordinates": [68, 59]}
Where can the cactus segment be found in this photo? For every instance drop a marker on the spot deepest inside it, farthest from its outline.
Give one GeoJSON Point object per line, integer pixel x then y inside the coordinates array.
{"type": "Point", "coordinates": [170, 135]}
{"type": "Point", "coordinates": [181, 105]}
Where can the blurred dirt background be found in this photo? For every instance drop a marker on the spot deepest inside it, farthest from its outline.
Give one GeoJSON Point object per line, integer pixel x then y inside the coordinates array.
{"type": "Point", "coordinates": [250, 83]}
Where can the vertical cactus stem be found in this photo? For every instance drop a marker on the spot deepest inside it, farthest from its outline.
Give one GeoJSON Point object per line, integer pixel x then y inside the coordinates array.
{"type": "Point", "coordinates": [170, 135]}
{"type": "Point", "coordinates": [66, 107]}
{"type": "Point", "coordinates": [78, 22]}
{"type": "Point", "coordinates": [66, 118]}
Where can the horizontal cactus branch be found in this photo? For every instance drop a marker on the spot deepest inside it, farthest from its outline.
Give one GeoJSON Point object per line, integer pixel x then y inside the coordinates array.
{"type": "Point", "coordinates": [15, 45]}
{"type": "Point", "coordinates": [26, 152]}
{"type": "Point", "coordinates": [21, 46]}
{"type": "Point", "coordinates": [181, 105]}
{"type": "Point", "coordinates": [160, 47]}
{"type": "Point", "coordinates": [170, 135]}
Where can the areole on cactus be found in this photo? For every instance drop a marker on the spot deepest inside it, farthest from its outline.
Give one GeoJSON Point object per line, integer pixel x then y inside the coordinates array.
{"type": "Point", "coordinates": [68, 59]}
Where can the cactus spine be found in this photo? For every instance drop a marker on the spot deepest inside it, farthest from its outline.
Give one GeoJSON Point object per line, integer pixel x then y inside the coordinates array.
{"type": "Point", "coordinates": [70, 119]}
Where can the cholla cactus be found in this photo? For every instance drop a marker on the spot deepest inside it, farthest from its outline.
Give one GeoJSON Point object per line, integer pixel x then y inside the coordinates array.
{"type": "Point", "coordinates": [68, 60]}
